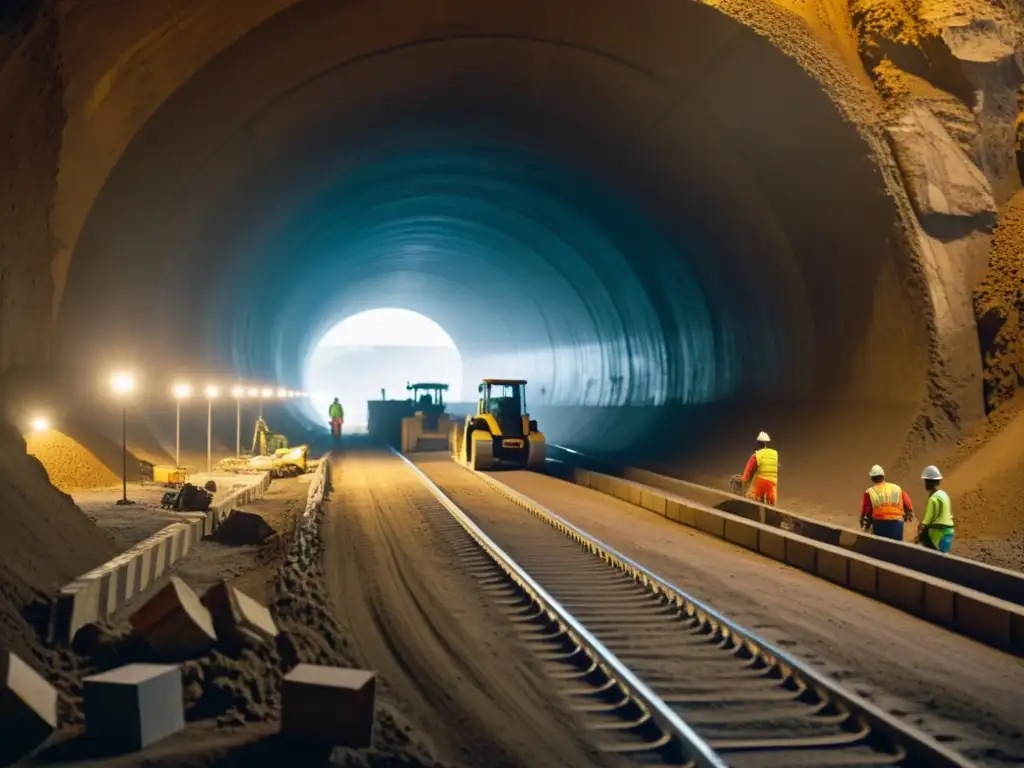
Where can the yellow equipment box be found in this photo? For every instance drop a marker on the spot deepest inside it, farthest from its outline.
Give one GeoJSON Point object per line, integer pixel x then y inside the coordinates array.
{"type": "Point", "coordinates": [169, 475]}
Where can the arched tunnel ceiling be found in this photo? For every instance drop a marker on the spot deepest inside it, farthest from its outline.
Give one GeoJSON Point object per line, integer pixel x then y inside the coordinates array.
{"type": "Point", "coordinates": [772, 223]}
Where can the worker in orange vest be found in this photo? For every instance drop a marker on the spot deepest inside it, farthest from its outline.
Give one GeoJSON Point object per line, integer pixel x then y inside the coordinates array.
{"type": "Point", "coordinates": [761, 476]}
{"type": "Point", "coordinates": [885, 507]}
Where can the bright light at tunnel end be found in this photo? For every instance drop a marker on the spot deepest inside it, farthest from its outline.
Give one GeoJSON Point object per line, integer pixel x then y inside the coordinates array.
{"type": "Point", "coordinates": [379, 350]}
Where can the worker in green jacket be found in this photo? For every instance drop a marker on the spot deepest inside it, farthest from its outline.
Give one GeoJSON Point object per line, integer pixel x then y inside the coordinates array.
{"type": "Point", "coordinates": [936, 529]}
{"type": "Point", "coordinates": [337, 414]}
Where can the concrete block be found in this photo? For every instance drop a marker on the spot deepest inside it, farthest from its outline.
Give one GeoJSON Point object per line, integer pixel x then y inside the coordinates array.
{"type": "Point", "coordinates": [328, 706]}
{"type": "Point", "coordinates": [237, 616]}
{"type": "Point", "coordinates": [801, 554]}
{"type": "Point", "coordinates": [143, 570]}
{"type": "Point", "coordinates": [1017, 632]}
{"type": "Point", "coordinates": [130, 578]}
{"type": "Point", "coordinates": [939, 602]}
{"type": "Point", "coordinates": [620, 489]}
{"type": "Point", "coordinates": [174, 622]}
{"type": "Point", "coordinates": [709, 522]}
{"type": "Point", "coordinates": [674, 511]}
{"type": "Point", "coordinates": [653, 501]}
{"type": "Point", "coordinates": [28, 708]}
{"type": "Point", "coordinates": [984, 618]}
{"type": "Point", "coordinates": [78, 604]}
{"type": "Point", "coordinates": [635, 492]}
{"type": "Point", "coordinates": [134, 706]}
{"type": "Point", "coordinates": [687, 515]}
{"type": "Point", "coordinates": [771, 544]}
{"type": "Point", "coordinates": [863, 576]}
{"type": "Point", "coordinates": [833, 566]}
{"type": "Point", "coordinates": [901, 589]}
{"type": "Point", "coordinates": [739, 532]}
{"type": "Point", "coordinates": [159, 557]}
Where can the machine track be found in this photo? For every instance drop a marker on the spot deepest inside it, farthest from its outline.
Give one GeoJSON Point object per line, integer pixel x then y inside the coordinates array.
{"type": "Point", "coordinates": [673, 680]}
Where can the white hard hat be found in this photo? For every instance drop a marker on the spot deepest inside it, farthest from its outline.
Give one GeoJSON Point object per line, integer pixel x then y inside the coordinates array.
{"type": "Point", "coordinates": [931, 473]}
{"type": "Point", "coordinates": [876, 471]}
{"type": "Point", "coordinates": [763, 438]}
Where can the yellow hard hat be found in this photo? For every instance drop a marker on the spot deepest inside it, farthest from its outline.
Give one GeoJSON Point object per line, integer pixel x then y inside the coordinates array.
{"type": "Point", "coordinates": [876, 471]}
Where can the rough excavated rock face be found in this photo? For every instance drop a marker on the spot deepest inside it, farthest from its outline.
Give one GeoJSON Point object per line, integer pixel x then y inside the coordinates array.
{"type": "Point", "coordinates": [941, 178]}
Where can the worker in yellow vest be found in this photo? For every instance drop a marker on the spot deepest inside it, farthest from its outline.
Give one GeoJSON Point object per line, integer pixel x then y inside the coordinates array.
{"type": "Point", "coordinates": [936, 529]}
{"type": "Point", "coordinates": [761, 476]}
{"type": "Point", "coordinates": [885, 507]}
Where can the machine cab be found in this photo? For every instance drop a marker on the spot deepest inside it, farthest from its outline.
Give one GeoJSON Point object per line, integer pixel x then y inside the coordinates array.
{"type": "Point", "coordinates": [428, 398]}
{"type": "Point", "coordinates": [505, 401]}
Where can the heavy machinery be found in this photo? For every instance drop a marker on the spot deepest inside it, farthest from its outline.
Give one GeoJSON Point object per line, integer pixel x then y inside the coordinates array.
{"type": "Point", "coordinates": [501, 432]}
{"type": "Point", "coordinates": [428, 399]}
{"type": "Point", "coordinates": [271, 453]}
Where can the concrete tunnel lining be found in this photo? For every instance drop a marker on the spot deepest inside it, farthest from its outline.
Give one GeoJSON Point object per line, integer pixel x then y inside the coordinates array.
{"type": "Point", "coordinates": [704, 135]}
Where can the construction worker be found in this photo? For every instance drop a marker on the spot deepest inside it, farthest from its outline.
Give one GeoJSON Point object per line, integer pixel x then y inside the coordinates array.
{"type": "Point", "coordinates": [885, 507]}
{"type": "Point", "coordinates": [337, 414]}
{"type": "Point", "coordinates": [936, 529]}
{"type": "Point", "coordinates": [761, 476]}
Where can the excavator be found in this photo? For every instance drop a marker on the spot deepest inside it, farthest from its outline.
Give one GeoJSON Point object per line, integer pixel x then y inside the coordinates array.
{"type": "Point", "coordinates": [270, 452]}
{"type": "Point", "coordinates": [501, 432]}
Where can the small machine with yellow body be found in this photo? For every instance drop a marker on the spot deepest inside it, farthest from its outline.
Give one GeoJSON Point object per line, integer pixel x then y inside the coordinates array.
{"type": "Point", "coordinates": [270, 453]}
{"type": "Point", "coordinates": [501, 433]}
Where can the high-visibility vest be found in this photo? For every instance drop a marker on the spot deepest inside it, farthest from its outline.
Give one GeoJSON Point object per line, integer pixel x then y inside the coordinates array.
{"type": "Point", "coordinates": [886, 502]}
{"type": "Point", "coordinates": [767, 465]}
{"type": "Point", "coordinates": [939, 511]}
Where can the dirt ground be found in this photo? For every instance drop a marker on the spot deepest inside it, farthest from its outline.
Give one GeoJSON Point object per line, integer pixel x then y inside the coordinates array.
{"type": "Point", "coordinates": [440, 646]}
{"type": "Point", "coordinates": [948, 685]}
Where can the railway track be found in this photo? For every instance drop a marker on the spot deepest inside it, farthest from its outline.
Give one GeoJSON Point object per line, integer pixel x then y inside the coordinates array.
{"type": "Point", "coordinates": [658, 675]}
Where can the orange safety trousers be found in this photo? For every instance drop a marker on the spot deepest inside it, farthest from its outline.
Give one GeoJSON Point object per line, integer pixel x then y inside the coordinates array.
{"type": "Point", "coordinates": [763, 491]}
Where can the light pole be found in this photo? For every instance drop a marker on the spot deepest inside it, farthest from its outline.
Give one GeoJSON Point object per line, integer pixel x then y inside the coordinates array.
{"type": "Point", "coordinates": [211, 392]}
{"type": "Point", "coordinates": [239, 393]}
{"type": "Point", "coordinates": [181, 392]}
{"type": "Point", "coordinates": [265, 394]}
{"type": "Point", "coordinates": [123, 385]}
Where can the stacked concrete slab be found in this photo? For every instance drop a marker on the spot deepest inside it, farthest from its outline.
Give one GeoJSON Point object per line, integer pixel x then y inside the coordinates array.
{"type": "Point", "coordinates": [991, 620]}
{"type": "Point", "coordinates": [101, 592]}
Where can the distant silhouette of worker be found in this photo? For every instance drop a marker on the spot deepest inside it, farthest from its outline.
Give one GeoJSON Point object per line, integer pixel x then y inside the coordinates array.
{"type": "Point", "coordinates": [337, 414]}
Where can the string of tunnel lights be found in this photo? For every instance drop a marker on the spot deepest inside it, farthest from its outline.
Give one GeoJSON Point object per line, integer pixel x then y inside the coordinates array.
{"type": "Point", "coordinates": [123, 385]}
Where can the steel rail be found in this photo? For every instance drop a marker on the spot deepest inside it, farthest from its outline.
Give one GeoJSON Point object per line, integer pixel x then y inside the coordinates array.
{"type": "Point", "coordinates": [685, 740]}
{"type": "Point", "coordinates": [921, 749]}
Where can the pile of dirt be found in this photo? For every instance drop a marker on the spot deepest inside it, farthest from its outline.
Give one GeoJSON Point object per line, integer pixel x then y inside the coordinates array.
{"type": "Point", "coordinates": [70, 465]}
{"type": "Point", "coordinates": [999, 306]}
{"type": "Point", "coordinates": [47, 542]}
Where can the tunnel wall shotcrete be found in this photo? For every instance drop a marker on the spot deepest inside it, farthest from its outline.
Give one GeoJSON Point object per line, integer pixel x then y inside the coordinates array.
{"type": "Point", "coordinates": [210, 141]}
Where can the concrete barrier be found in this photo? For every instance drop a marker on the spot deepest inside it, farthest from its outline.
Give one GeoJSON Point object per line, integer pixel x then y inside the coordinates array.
{"type": "Point", "coordinates": [997, 582]}
{"type": "Point", "coordinates": [988, 619]}
{"type": "Point", "coordinates": [103, 591]}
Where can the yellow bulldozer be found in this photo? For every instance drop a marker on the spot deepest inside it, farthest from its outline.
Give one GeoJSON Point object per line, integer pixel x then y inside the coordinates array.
{"type": "Point", "coordinates": [501, 432]}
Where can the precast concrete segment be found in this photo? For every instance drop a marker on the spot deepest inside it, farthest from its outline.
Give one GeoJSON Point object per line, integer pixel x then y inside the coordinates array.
{"type": "Point", "coordinates": [991, 620]}
{"type": "Point", "coordinates": [754, 731]}
{"type": "Point", "coordinates": [28, 708]}
{"type": "Point", "coordinates": [328, 706]}
{"type": "Point", "coordinates": [839, 631]}
{"type": "Point", "coordinates": [103, 591]}
{"type": "Point", "coordinates": [1000, 583]}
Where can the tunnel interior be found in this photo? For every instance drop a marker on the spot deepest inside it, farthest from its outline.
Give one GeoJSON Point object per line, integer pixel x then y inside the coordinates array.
{"type": "Point", "coordinates": [648, 215]}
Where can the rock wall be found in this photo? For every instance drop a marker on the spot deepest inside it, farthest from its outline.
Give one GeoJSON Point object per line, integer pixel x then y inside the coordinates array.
{"type": "Point", "coordinates": [32, 114]}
